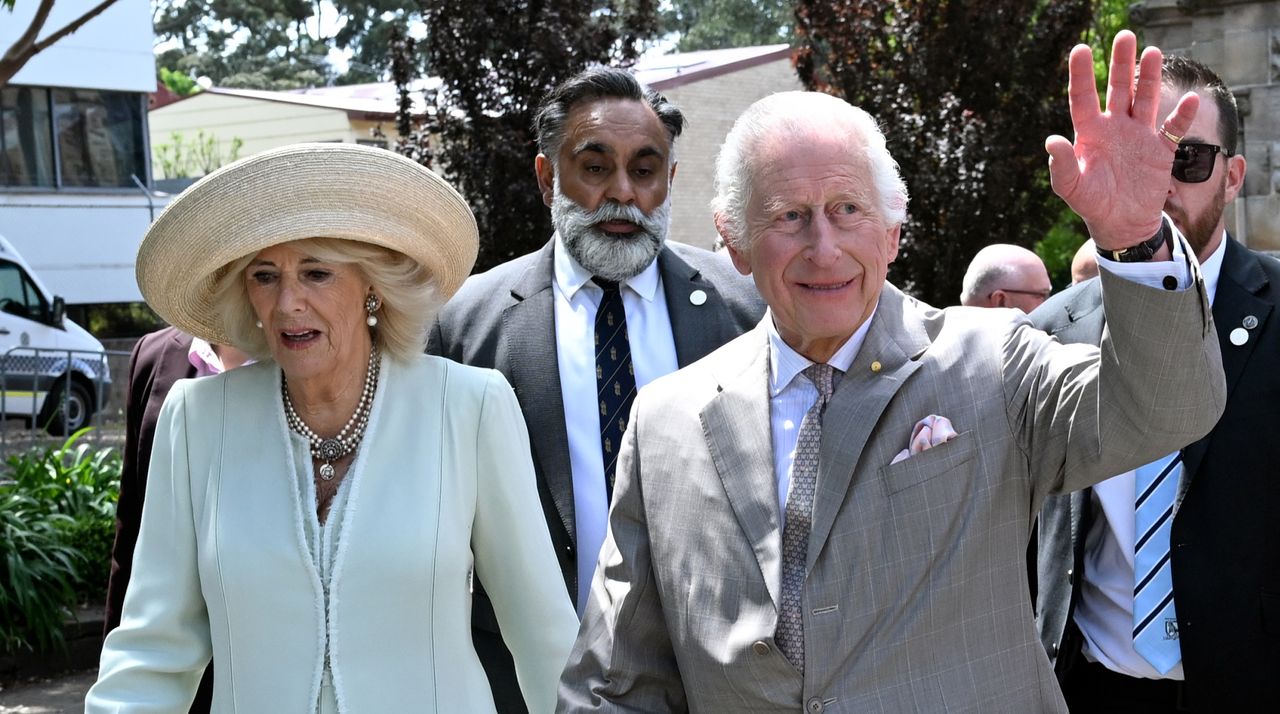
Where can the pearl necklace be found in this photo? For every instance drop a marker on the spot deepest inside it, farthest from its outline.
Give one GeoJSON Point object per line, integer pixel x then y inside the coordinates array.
{"type": "Point", "coordinates": [330, 450]}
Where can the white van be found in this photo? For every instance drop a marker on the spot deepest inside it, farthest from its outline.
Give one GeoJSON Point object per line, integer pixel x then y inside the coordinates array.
{"type": "Point", "coordinates": [51, 369]}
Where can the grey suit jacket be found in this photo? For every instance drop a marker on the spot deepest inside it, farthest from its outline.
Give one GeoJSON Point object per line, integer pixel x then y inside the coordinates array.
{"type": "Point", "coordinates": [505, 319]}
{"type": "Point", "coordinates": [1226, 524]}
{"type": "Point", "coordinates": [916, 594]}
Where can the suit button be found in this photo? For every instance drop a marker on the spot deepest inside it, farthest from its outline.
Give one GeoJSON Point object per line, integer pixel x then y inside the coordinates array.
{"type": "Point", "coordinates": [760, 647]}
{"type": "Point", "coordinates": [814, 706]}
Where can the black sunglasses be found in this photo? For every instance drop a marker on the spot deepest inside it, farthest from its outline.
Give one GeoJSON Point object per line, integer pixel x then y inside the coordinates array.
{"type": "Point", "coordinates": [1193, 163]}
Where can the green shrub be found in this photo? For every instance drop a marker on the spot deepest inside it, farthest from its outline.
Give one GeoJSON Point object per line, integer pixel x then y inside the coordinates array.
{"type": "Point", "coordinates": [37, 574]}
{"type": "Point", "coordinates": [57, 525]}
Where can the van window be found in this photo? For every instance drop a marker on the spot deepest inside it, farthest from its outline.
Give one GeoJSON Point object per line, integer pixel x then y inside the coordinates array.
{"type": "Point", "coordinates": [19, 296]}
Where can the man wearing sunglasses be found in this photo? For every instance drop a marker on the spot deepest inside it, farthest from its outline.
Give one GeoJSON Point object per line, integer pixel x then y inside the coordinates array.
{"type": "Point", "coordinates": [1159, 589]}
{"type": "Point", "coordinates": [1005, 275]}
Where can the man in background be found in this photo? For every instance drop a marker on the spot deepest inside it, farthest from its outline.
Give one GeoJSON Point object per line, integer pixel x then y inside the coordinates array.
{"type": "Point", "coordinates": [607, 306]}
{"type": "Point", "coordinates": [1159, 589]}
{"type": "Point", "coordinates": [1005, 275]}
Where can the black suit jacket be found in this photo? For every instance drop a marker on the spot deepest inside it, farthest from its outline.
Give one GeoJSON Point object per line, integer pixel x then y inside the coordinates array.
{"type": "Point", "coordinates": [159, 359]}
{"type": "Point", "coordinates": [504, 319]}
{"type": "Point", "coordinates": [1225, 538]}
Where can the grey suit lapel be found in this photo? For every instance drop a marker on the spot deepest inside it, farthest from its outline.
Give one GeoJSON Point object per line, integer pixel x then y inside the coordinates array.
{"type": "Point", "coordinates": [735, 424]}
{"type": "Point", "coordinates": [695, 331]}
{"type": "Point", "coordinates": [896, 340]}
{"type": "Point", "coordinates": [1234, 299]}
{"type": "Point", "coordinates": [529, 327]}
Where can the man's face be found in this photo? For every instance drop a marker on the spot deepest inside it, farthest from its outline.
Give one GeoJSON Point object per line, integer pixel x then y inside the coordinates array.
{"type": "Point", "coordinates": [608, 186]}
{"type": "Point", "coordinates": [1029, 287]}
{"type": "Point", "coordinates": [817, 245]}
{"type": "Point", "coordinates": [1197, 208]}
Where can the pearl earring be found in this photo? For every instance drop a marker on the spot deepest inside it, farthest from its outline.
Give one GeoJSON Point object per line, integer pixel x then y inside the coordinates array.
{"type": "Point", "coordinates": [259, 324]}
{"type": "Point", "coordinates": [371, 305]}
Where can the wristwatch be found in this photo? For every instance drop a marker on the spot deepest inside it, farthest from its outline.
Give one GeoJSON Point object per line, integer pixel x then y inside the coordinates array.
{"type": "Point", "coordinates": [1143, 251]}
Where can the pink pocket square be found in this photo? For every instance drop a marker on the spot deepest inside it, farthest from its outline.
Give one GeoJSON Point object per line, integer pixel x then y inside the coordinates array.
{"type": "Point", "coordinates": [928, 433]}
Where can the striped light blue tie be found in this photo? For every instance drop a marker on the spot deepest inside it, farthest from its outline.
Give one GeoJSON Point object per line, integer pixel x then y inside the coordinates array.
{"type": "Point", "coordinates": [1155, 624]}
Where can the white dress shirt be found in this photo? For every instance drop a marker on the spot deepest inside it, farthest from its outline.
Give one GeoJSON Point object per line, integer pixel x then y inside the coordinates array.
{"type": "Point", "coordinates": [653, 354]}
{"type": "Point", "coordinates": [1104, 613]}
{"type": "Point", "coordinates": [792, 395]}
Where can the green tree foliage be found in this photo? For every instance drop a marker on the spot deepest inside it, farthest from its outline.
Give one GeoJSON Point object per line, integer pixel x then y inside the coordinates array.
{"type": "Point", "coordinates": [277, 44]}
{"type": "Point", "coordinates": [496, 60]}
{"type": "Point", "coordinates": [966, 93]}
{"type": "Point", "coordinates": [177, 82]}
{"type": "Point", "coordinates": [721, 24]}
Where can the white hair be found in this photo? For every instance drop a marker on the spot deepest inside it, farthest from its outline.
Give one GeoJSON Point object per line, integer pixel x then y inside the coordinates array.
{"type": "Point", "coordinates": [792, 115]}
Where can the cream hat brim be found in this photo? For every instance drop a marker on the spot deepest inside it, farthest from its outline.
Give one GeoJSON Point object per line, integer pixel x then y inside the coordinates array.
{"type": "Point", "coordinates": [294, 192]}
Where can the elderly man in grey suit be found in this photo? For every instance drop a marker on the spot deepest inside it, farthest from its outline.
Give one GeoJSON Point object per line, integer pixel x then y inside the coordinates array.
{"type": "Point", "coordinates": [603, 309]}
{"type": "Point", "coordinates": [831, 513]}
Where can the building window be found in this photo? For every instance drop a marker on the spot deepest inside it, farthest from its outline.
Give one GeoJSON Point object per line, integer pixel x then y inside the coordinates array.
{"type": "Point", "coordinates": [26, 137]}
{"type": "Point", "coordinates": [98, 135]}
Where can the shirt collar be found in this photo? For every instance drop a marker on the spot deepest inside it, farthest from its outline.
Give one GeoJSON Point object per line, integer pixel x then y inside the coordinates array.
{"type": "Point", "coordinates": [203, 358]}
{"type": "Point", "coordinates": [1212, 268]}
{"type": "Point", "coordinates": [785, 363]}
{"type": "Point", "coordinates": [569, 276]}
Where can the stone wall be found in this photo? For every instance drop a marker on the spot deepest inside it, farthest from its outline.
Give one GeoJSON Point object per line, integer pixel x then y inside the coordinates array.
{"type": "Point", "coordinates": [1241, 42]}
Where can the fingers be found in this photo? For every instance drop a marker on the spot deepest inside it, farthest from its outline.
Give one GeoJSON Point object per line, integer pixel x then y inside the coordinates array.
{"type": "Point", "coordinates": [1120, 75]}
{"type": "Point", "coordinates": [1146, 101]}
{"type": "Point", "coordinates": [1179, 120]}
{"type": "Point", "coordinates": [1082, 89]}
{"type": "Point", "coordinates": [1064, 171]}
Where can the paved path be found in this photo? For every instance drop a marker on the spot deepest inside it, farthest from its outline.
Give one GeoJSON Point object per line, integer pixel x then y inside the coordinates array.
{"type": "Point", "coordinates": [49, 696]}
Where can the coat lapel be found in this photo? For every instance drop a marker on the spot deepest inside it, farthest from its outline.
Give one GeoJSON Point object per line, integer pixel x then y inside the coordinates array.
{"type": "Point", "coordinates": [1235, 299]}
{"type": "Point", "coordinates": [698, 329]}
{"type": "Point", "coordinates": [896, 340]}
{"type": "Point", "coordinates": [529, 327]}
{"type": "Point", "coordinates": [735, 424]}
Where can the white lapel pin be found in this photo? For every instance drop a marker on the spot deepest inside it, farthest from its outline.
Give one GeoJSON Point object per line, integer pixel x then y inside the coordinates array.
{"type": "Point", "coordinates": [698, 297]}
{"type": "Point", "coordinates": [1239, 336]}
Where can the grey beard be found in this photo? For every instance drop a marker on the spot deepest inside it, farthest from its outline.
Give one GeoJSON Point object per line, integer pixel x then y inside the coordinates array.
{"type": "Point", "coordinates": [611, 257]}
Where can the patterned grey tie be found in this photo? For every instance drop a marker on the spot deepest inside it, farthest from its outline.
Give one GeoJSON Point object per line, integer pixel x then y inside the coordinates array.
{"type": "Point", "coordinates": [795, 531]}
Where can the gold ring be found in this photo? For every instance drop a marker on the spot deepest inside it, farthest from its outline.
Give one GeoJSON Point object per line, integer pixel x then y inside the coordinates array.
{"type": "Point", "coordinates": [1171, 136]}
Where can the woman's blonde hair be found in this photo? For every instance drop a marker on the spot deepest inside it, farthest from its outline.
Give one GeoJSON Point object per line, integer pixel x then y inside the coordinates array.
{"type": "Point", "coordinates": [409, 297]}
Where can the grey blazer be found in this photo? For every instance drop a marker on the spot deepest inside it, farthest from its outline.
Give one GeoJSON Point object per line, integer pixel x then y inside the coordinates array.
{"type": "Point", "coordinates": [1226, 523]}
{"type": "Point", "coordinates": [505, 319]}
{"type": "Point", "coordinates": [916, 594]}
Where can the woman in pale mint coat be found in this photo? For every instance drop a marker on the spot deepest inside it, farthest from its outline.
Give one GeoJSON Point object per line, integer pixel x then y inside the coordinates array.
{"type": "Point", "coordinates": [312, 522]}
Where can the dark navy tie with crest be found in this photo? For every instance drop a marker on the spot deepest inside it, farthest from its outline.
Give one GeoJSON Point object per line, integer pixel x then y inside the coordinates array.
{"type": "Point", "coordinates": [615, 376]}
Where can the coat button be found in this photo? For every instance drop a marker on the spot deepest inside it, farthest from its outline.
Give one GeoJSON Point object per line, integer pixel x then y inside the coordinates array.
{"type": "Point", "coordinates": [760, 647]}
{"type": "Point", "coordinates": [814, 705]}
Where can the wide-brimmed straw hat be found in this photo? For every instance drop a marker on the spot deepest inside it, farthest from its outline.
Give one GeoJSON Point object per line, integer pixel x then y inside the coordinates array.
{"type": "Point", "coordinates": [300, 191]}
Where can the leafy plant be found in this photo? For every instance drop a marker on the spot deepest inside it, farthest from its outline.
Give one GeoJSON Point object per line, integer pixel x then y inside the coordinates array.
{"type": "Point", "coordinates": [185, 158]}
{"type": "Point", "coordinates": [57, 521]}
{"type": "Point", "coordinates": [37, 574]}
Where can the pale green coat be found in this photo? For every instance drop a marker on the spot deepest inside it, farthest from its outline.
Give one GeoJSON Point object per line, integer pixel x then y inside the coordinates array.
{"type": "Point", "coordinates": [443, 481]}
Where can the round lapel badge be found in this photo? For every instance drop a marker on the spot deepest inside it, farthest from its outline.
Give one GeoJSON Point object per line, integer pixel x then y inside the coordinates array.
{"type": "Point", "coordinates": [698, 297]}
{"type": "Point", "coordinates": [1249, 322]}
{"type": "Point", "coordinates": [1239, 336]}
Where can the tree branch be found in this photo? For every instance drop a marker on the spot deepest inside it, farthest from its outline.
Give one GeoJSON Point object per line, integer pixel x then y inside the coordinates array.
{"type": "Point", "coordinates": [26, 47]}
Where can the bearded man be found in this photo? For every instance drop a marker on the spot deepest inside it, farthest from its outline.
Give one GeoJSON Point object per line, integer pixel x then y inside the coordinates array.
{"type": "Point", "coordinates": [605, 307]}
{"type": "Point", "coordinates": [1158, 589]}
